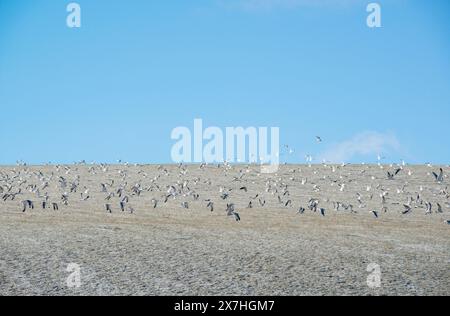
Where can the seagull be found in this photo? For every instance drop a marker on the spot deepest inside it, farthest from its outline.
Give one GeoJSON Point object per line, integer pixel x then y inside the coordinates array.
{"type": "Point", "coordinates": [439, 178]}
{"type": "Point", "coordinates": [262, 202]}
{"type": "Point", "coordinates": [232, 212]}
{"type": "Point", "coordinates": [318, 139]}
{"type": "Point", "coordinates": [185, 205]}
{"type": "Point", "coordinates": [392, 175]}
{"type": "Point", "coordinates": [27, 204]}
{"type": "Point", "coordinates": [429, 208]}
{"type": "Point", "coordinates": [407, 209]}
{"type": "Point", "coordinates": [244, 189]}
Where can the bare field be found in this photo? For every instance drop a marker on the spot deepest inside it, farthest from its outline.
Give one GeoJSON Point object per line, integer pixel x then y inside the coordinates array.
{"type": "Point", "coordinates": [175, 250]}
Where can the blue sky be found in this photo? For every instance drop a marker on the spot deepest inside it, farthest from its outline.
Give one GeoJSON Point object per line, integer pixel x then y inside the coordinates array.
{"type": "Point", "coordinates": [135, 70]}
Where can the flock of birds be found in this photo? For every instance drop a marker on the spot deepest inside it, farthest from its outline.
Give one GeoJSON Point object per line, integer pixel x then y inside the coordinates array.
{"type": "Point", "coordinates": [119, 192]}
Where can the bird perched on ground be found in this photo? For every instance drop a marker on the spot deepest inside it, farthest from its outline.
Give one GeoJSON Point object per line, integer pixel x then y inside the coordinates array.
{"type": "Point", "coordinates": [231, 212]}
{"type": "Point", "coordinates": [185, 205]}
{"type": "Point", "coordinates": [210, 206]}
{"type": "Point", "coordinates": [429, 208]}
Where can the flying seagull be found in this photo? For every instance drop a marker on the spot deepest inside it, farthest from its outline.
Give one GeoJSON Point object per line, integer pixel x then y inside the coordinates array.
{"type": "Point", "coordinates": [407, 209]}
{"type": "Point", "coordinates": [439, 178]}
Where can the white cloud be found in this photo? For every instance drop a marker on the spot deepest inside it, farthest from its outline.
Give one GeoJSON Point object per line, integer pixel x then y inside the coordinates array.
{"type": "Point", "coordinates": [365, 144]}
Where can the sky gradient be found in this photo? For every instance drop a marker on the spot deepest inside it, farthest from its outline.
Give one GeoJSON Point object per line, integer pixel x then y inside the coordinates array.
{"type": "Point", "coordinates": [116, 87]}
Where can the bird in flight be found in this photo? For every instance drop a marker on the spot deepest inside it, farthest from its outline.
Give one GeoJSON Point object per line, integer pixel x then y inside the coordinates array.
{"type": "Point", "coordinates": [439, 177]}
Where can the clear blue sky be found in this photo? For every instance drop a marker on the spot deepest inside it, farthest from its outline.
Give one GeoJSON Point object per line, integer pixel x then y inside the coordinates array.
{"type": "Point", "coordinates": [116, 87]}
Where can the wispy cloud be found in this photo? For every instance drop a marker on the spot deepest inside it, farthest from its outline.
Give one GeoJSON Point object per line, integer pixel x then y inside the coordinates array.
{"type": "Point", "coordinates": [365, 144]}
{"type": "Point", "coordinates": [267, 5]}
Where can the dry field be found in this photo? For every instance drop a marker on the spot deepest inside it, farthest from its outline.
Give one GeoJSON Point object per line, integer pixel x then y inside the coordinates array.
{"type": "Point", "coordinates": [273, 250]}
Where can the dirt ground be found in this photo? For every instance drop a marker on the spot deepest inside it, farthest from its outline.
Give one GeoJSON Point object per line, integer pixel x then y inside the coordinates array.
{"type": "Point", "coordinates": [272, 250]}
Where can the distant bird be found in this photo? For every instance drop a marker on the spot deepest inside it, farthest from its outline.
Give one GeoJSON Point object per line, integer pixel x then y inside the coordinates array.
{"type": "Point", "coordinates": [407, 209]}
{"type": "Point", "coordinates": [231, 212]}
{"type": "Point", "coordinates": [318, 139]}
{"type": "Point", "coordinates": [27, 204]}
{"type": "Point", "coordinates": [375, 214]}
{"type": "Point", "coordinates": [262, 202]}
{"type": "Point", "coordinates": [439, 178]}
{"type": "Point", "coordinates": [154, 203]}
{"type": "Point", "coordinates": [392, 175]}
{"type": "Point", "coordinates": [429, 208]}
{"type": "Point", "coordinates": [210, 206]}
{"type": "Point", "coordinates": [185, 205]}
